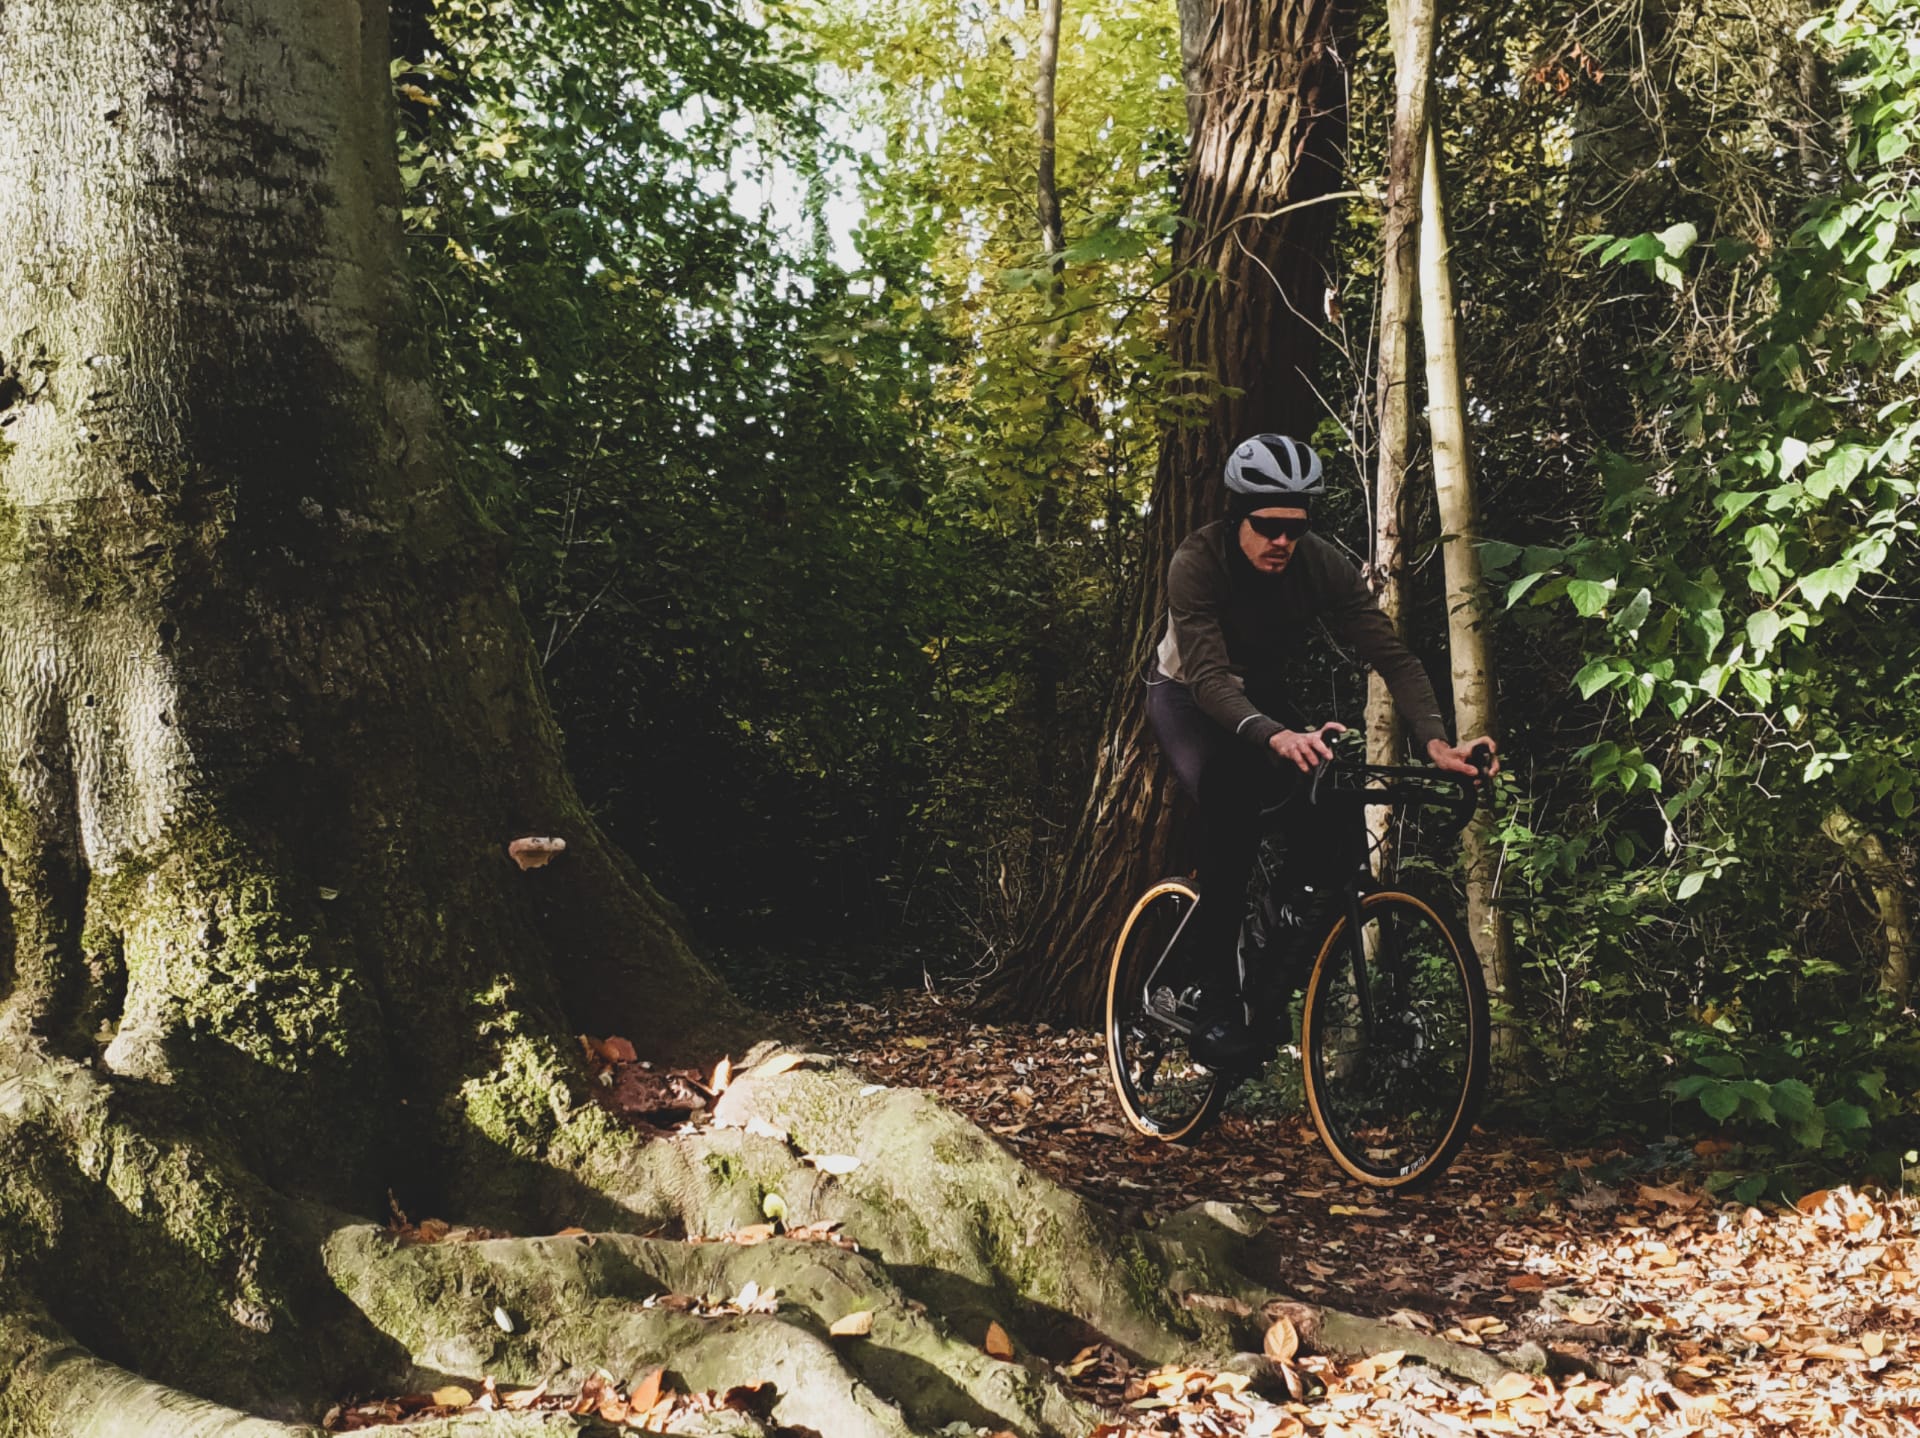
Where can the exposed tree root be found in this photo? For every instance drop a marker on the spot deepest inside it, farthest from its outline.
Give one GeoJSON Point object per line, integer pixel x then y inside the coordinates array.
{"type": "Point", "coordinates": [953, 1234]}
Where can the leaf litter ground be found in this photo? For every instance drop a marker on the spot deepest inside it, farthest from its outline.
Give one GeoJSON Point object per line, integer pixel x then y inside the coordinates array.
{"type": "Point", "coordinates": [1658, 1311]}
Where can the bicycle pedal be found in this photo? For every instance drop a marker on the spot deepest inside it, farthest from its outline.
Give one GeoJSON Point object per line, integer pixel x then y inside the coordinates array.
{"type": "Point", "coordinates": [1176, 1011]}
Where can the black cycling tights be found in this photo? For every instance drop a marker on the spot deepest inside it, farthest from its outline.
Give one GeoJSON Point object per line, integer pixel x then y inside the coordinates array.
{"type": "Point", "coordinates": [1232, 781]}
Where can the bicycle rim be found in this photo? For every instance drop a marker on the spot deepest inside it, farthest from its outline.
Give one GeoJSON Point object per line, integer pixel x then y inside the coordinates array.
{"type": "Point", "coordinates": [1162, 1091]}
{"type": "Point", "coordinates": [1394, 1099]}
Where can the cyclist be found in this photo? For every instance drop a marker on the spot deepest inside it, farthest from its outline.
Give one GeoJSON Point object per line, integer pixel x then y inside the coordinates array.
{"type": "Point", "coordinates": [1241, 594]}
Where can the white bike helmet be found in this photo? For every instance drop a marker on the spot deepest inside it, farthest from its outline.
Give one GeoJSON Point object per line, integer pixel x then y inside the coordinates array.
{"type": "Point", "coordinates": [1275, 469]}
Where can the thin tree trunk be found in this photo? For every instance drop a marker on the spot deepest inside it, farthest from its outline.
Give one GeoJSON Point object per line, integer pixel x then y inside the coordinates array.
{"type": "Point", "coordinates": [1412, 26]}
{"type": "Point", "coordinates": [1266, 107]}
{"type": "Point", "coordinates": [1469, 641]}
{"type": "Point", "coordinates": [1868, 854]}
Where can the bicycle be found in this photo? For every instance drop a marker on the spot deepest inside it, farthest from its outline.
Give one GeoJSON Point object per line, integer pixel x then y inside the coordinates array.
{"type": "Point", "coordinates": [1394, 1026]}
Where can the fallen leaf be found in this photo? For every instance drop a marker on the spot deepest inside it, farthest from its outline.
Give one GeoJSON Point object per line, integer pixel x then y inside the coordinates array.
{"type": "Point", "coordinates": [997, 1344]}
{"type": "Point", "coordinates": [522, 1399]}
{"type": "Point", "coordinates": [500, 1317]}
{"type": "Point", "coordinates": [452, 1396]}
{"type": "Point", "coordinates": [1282, 1341]}
{"type": "Point", "coordinates": [646, 1392]}
{"type": "Point", "coordinates": [722, 1076]}
{"type": "Point", "coordinates": [857, 1324]}
{"type": "Point", "coordinates": [1837, 1352]}
{"type": "Point", "coordinates": [1873, 1344]}
{"type": "Point", "coordinates": [1509, 1386]}
{"type": "Point", "coordinates": [619, 1050]}
{"type": "Point", "coordinates": [1671, 1197]}
{"type": "Point", "coordinates": [778, 1064]}
{"type": "Point", "coordinates": [571, 1233]}
{"type": "Point", "coordinates": [760, 1128]}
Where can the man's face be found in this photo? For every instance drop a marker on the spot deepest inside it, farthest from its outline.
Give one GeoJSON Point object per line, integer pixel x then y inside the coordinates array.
{"type": "Point", "coordinates": [1266, 552]}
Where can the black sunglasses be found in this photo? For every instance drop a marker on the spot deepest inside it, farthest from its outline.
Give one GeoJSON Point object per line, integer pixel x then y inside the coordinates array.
{"type": "Point", "coordinates": [1273, 526]}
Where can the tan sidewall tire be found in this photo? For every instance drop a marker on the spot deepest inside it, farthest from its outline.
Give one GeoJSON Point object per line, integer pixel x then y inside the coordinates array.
{"type": "Point", "coordinates": [1142, 1124]}
{"type": "Point", "coordinates": [1477, 1052]}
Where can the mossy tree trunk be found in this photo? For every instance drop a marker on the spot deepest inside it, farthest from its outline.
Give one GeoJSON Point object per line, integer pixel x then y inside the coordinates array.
{"type": "Point", "coordinates": [1266, 116]}
{"type": "Point", "coordinates": [268, 721]}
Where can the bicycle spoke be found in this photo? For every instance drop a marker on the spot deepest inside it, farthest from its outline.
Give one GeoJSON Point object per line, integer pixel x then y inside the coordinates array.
{"type": "Point", "coordinates": [1397, 1043]}
{"type": "Point", "coordinates": [1162, 1091]}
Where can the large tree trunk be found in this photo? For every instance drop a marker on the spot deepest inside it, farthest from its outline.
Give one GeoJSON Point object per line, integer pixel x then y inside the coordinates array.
{"type": "Point", "coordinates": [1469, 621]}
{"type": "Point", "coordinates": [1266, 109]}
{"type": "Point", "coordinates": [269, 720]}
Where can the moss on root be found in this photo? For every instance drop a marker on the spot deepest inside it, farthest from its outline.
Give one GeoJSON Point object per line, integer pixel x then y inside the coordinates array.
{"type": "Point", "coordinates": [579, 1303]}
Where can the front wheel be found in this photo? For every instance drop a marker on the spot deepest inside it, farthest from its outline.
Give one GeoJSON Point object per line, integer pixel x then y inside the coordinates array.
{"type": "Point", "coordinates": [1162, 1091]}
{"type": "Point", "coordinates": [1395, 1070]}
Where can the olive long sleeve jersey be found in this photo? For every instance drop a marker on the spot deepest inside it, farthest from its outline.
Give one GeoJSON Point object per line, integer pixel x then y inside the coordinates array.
{"type": "Point", "coordinates": [1230, 627]}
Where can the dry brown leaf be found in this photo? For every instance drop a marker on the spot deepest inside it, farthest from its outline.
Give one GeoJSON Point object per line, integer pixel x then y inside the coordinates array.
{"type": "Point", "coordinates": [1282, 1341]}
{"type": "Point", "coordinates": [722, 1076]}
{"type": "Point", "coordinates": [452, 1396]}
{"type": "Point", "coordinates": [857, 1324]}
{"type": "Point", "coordinates": [523, 1399]}
{"type": "Point", "coordinates": [1837, 1352]}
{"type": "Point", "coordinates": [1671, 1197]}
{"type": "Point", "coordinates": [619, 1050]}
{"type": "Point", "coordinates": [778, 1064]}
{"type": "Point", "coordinates": [1873, 1344]}
{"type": "Point", "coordinates": [646, 1392]}
{"type": "Point", "coordinates": [1509, 1386]}
{"type": "Point", "coordinates": [997, 1344]}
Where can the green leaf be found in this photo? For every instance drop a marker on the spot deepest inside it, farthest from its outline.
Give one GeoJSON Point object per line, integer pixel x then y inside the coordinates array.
{"type": "Point", "coordinates": [1521, 585]}
{"type": "Point", "coordinates": [1763, 627]}
{"type": "Point", "coordinates": [1793, 453]}
{"type": "Point", "coordinates": [1844, 1117]}
{"type": "Point", "coordinates": [1676, 240]}
{"type": "Point", "coordinates": [1597, 675]}
{"type": "Point", "coordinates": [1589, 596]}
{"type": "Point", "coordinates": [1794, 1100]}
{"type": "Point", "coordinates": [1629, 620]}
{"type": "Point", "coordinates": [1891, 146]}
{"type": "Point", "coordinates": [1497, 553]}
{"type": "Point", "coordinates": [1690, 885]}
{"type": "Point", "coordinates": [1720, 1099]}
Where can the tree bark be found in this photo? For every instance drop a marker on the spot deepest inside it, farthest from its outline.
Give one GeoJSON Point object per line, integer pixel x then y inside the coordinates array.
{"type": "Point", "coordinates": [1266, 108]}
{"type": "Point", "coordinates": [1866, 852]}
{"type": "Point", "coordinates": [1469, 621]}
{"type": "Point", "coordinates": [1412, 24]}
{"type": "Point", "coordinates": [268, 712]}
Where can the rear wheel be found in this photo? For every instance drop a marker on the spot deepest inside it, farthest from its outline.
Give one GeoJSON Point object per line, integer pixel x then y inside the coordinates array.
{"type": "Point", "coordinates": [1162, 1091]}
{"type": "Point", "coordinates": [1395, 1072]}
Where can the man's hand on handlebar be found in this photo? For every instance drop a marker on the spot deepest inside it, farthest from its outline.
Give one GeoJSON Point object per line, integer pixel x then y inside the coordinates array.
{"type": "Point", "coordinates": [1307, 748]}
{"type": "Point", "coordinates": [1459, 758]}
